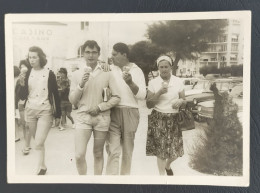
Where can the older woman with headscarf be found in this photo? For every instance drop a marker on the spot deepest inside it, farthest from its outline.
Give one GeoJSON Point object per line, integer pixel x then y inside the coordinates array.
{"type": "Point", "coordinates": [165, 95]}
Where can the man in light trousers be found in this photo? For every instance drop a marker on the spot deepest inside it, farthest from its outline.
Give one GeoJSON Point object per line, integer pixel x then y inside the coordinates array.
{"type": "Point", "coordinates": [125, 116]}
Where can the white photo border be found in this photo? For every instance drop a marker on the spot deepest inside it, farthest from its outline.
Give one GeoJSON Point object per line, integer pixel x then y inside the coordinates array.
{"type": "Point", "coordinates": [181, 180]}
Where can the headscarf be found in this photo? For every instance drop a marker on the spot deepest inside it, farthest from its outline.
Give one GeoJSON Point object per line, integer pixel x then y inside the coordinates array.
{"type": "Point", "coordinates": [166, 58]}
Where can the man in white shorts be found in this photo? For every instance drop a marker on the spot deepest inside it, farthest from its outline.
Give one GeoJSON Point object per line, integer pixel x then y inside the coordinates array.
{"type": "Point", "coordinates": [93, 112]}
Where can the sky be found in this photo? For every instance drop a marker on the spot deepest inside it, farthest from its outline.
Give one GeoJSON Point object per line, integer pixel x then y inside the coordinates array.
{"type": "Point", "coordinates": [127, 32]}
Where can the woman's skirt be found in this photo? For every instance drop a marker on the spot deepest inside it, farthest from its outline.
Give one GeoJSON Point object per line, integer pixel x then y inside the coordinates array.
{"type": "Point", "coordinates": [164, 138]}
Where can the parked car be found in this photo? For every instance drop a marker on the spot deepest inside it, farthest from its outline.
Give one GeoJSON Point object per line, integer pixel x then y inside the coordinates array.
{"type": "Point", "coordinates": [201, 92]}
{"type": "Point", "coordinates": [206, 108]}
{"type": "Point", "coordinates": [189, 82]}
{"type": "Point", "coordinates": [212, 76]}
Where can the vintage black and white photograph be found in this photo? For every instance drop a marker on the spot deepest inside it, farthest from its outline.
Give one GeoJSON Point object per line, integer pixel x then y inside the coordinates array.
{"type": "Point", "coordinates": [158, 98]}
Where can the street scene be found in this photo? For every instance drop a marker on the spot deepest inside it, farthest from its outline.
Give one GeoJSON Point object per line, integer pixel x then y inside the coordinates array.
{"type": "Point", "coordinates": [166, 100]}
{"type": "Point", "coordinates": [60, 154]}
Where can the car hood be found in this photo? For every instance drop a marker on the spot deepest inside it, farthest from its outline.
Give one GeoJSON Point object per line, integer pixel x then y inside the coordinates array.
{"type": "Point", "coordinates": [192, 92]}
{"type": "Point", "coordinates": [210, 104]}
{"type": "Point", "coordinates": [204, 95]}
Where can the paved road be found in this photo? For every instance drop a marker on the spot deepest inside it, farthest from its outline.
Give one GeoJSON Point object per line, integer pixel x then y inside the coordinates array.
{"type": "Point", "coordinates": [60, 153]}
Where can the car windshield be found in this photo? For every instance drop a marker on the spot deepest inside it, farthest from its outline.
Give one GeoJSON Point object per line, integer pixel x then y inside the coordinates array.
{"type": "Point", "coordinates": [222, 86]}
{"type": "Point", "coordinates": [200, 85]}
{"type": "Point", "coordinates": [237, 91]}
{"type": "Point", "coordinates": [187, 82]}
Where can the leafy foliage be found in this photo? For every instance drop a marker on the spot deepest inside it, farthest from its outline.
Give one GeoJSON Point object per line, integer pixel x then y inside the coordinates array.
{"type": "Point", "coordinates": [234, 70]}
{"type": "Point", "coordinates": [185, 38]}
{"type": "Point", "coordinates": [144, 54]}
{"type": "Point", "coordinates": [221, 149]}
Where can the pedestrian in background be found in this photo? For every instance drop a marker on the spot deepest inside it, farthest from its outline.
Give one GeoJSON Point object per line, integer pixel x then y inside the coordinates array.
{"type": "Point", "coordinates": [165, 95]}
{"type": "Point", "coordinates": [93, 114]}
{"type": "Point", "coordinates": [24, 67]}
{"type": "Point", "coordinates": [37, 88]}
{"type": "Point", "coordinates": [16, 99]}
{"type": "Point", "coordinates": [64, 90]}
{"type": "Point", "coordinates": [125, 116]}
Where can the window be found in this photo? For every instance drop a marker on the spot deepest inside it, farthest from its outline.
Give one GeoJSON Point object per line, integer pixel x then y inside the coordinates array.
{"type": "Point", "coordinates": [222, 38]}
{"type": "Point", "coordinates": [84, 25]}
{"type": "Point", "coordinates": [223, 58]}
{"type": "Point", "coordinates": [234, 38]}
{"type": "Point", "coordinates": [234, 47]}
{"type": "Point", "coordinates": [212, 48]}
{"type": "Point", "coordinates": [236, 22]}
{"type": "Point", "coordinates": [80, 52]}
{"type": "Point", "coordinates": [223, 48]}
{"type": "Point", "coordinates": [233, 57]}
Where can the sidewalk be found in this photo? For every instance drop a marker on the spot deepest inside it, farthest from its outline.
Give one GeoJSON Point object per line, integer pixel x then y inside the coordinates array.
{"type": "Point", "coordinates": [60, 153]}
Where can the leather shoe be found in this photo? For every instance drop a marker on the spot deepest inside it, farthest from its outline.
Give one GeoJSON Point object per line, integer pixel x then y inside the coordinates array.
{"type": "Point", "coordinates": [42, 172]}
{"type": "Point", "coordinates": [169, 172]}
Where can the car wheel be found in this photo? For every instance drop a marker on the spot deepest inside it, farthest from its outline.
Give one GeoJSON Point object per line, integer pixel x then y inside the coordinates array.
{"type": "Point", "coordinates": [198, 118]}
{"type": "Point", "coordinates": [209, 121]}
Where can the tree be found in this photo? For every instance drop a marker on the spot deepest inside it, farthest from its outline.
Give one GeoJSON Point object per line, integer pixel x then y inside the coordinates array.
{"type": "Point", "coordinates": [209, 70]}
{"type": "Point", "coordinates": [220, 151]}
{"type": "Point", "coordinates": [144, 54]}
{"type": "Point", "coordinates": [237, 70]}
{"type": "Point", "coordinates": [185, 38]}
{"type": "Point", "coordinates": [225, 70]}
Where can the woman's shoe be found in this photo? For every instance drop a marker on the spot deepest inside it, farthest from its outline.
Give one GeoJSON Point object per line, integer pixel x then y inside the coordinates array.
{"type": "Point", "coordinates": [169, 172]}
{"type": "Point", "coordinates": [26, 151]}
{"type": "Point", "coordinates": [42, 172]}
{"type": "Point", "coordinates": [62, 128]}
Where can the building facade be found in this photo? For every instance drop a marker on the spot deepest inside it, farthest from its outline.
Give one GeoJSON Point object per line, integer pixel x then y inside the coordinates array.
{"type": "Point", "coordinates": [61, 41]}
{"type": "Point", "coordinates": [227, 49]}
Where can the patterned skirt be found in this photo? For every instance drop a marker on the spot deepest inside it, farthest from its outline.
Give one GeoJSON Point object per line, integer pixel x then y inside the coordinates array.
{"type": "Point", "coordinates": [164, 138]}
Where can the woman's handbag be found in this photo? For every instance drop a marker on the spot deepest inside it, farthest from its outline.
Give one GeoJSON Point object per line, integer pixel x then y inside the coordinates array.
{"type": "Point", "coordinates": [185, 120]}
{"type": "Point", "coordinates": [53, 105]}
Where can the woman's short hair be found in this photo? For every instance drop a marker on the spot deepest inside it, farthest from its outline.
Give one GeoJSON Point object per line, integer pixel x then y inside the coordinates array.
{"type": "Point", "coordinates": [91, 44]}
{"type": "Point", "coordinates": [41, 54]}
{"type": "Point", "coordinates": [122, 48]}
{"type": "Point", "coordinates": [26, 63]}
{"type": "Point", "coordinates": [64, 71]}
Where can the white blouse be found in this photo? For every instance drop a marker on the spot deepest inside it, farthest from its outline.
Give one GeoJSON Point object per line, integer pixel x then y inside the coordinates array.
{"type": "Point", "coordinates": [166, 100]}
{"type": "Point", "coordinates": [38, 90]}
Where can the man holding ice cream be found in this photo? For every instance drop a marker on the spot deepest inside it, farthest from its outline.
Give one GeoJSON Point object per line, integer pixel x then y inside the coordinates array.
{"type": "Point", "coordinates": [93, 112]}
{"type": "Point", "coordinates": [125, 116]}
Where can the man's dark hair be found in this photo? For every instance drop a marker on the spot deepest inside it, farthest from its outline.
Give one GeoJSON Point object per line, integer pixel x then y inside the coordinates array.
{"type": "Point", "coordinates": [122, 48]}
{"type": "Point", "coordinates": [91, 44]}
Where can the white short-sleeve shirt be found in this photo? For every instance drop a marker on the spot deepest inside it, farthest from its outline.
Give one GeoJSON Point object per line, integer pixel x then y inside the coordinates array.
{"type": "Point", "coordinates": [175, 86]}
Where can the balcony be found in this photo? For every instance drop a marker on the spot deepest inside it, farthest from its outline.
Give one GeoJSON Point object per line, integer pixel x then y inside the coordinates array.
{"type": "Point", "coordinates": [215, 51]}
{"type": "Point", "coordinates": [209, 63]}
{"type": "Point", "coordinates": [217, 42]}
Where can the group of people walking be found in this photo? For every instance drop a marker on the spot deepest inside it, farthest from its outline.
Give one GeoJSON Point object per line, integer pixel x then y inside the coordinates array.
{"type": "Point", "coordinates": [106, 98]}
